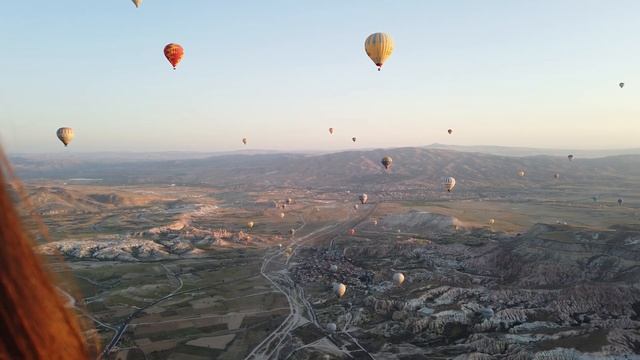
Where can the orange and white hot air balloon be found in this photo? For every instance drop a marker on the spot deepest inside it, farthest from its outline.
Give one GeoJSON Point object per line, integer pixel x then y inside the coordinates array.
{"type": "Point", "coordinates": [137, 3]}
{"type": "Point", "coordinates": [174, 53]}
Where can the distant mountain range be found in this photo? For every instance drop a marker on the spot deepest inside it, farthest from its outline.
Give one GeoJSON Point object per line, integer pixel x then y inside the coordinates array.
{"type": "Point", "coordinates": [412, 167]}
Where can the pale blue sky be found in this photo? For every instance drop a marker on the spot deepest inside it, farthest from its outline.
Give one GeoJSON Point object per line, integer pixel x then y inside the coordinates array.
{"type": "Point", "coordinates": [526, 73]}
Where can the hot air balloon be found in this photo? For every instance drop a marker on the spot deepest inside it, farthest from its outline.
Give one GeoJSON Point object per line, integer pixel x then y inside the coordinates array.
{"type": "Point", "coordinates": [281, 215]}
{"type": "Point", "coordinates": [521, 173]}
{"type": "Point", "coordinates": [353, 139]}
{"type": "Point", "coordinates": [137, 3]}
{"type": "Point", "coordinates": [331, 131]}
{"type": "Point", "coordinates": [570, 157]}
{"type": "Point", "coordinates": [334, 268]}
{"type": "Point", "coordinates": [375, 222]}
{"type": "Point", "coordinates": [331, 327]}
{"type": "Point", "coordinates": [492, 221]}
{"type": "Point", "coordinates": [379, 47]}
{"type": "Point", "coordinates": [594, 198]}
{"type": "Point", "coordinates": [449, 183]}
{"type": "Point", "coordinates": [386, 162]}
{"type": "Point", "coordinates": [450, 131]}
{"type": "Point", "coordinates": [173, 53]}
{"type": "Point", "coordinates": [244, 141]}
{"type": "Point", "coordinates": [292, 232]}
{"type": "Point", "coordinates": [250, 224]}
{"type": "Point", "coordinates": [398, 278]}
{"type": "Point", "coordinates": [364, 198]}
{"type": "Point", "coordinates": [620, 202]}
{"type": "Point", "coordinates": [621, 85]}
{"type": "Point", "coordinates": [65, 134]}
{"type": "Point", "coordinates": [355, 206]}
{"type": "Point", "coordinates": [339, 289]}
{"type": "Point", "coordinates": [556, 176]}
{"type": "Point", "coordinates": [352, 232]}
{"type": "Point", "coordinates": [289, 201]}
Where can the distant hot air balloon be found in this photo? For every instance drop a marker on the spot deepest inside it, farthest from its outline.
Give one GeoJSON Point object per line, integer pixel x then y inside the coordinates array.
{"type": "Point", "coordinates": [374, 221]}
{"type": "Point", "coordinates": [250, 224]}
{"type": "Point", "coordinates": [570, 157]}
{"type": "Point", "coordinates": [386, 162]}
{"type": "Point", "coordinates": [333, 268]}
{"type": "Point", "coordinates": [65, 134]}
{"type": "Point", "coordinates": [339, 289]}
{"type": "Point", "coordinates": [450, 131]}
{"type": "Point", "coordinates": [556, 176]}
{"type": "Point", "coordinates": [352, 232]}
{"type": "Point", "coordinates": [620, 202]}
{"type": "Point", "coordinates": [363, 198]}
{"type": "Point", "coordinates": [621, 85]}
{"type": "Point", "coordinates": [292, 232]}
{"type": "Point", "coordinates": [244, 141]}
{"type": "Point", "coordinates": [137, 3]}
{"type": "Point", "coordinates": [331, 327]}
{"type": "Point", "coordinates": [449, 183]}
{"type": "Point", "coordinates": [355, 206]}
{"type": "Point", "coordinates": [289, 201]}
{"type": "Point", "coordinates": [594, 198]}
{"type": "Point", "coordinates": [173, 53]}
{"type": "Point", "coordinates": [492, 221]}
{"type": "Point", "coordinates": [379, 47]}
{"type": "Point", "coordinates": [521, 173]}
{"type": "Point", "coordinates": [331, 131]}
{"type": "Point", "coordinates": [398, 278]}
{"type": "Point", "coordinates": [353, 139]}
{"type": "Point", "coordinates": [281, 215]}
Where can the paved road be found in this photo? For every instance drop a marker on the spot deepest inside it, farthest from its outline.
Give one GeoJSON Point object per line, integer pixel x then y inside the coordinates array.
{"type": "Point", "coordinates": [301, 311]}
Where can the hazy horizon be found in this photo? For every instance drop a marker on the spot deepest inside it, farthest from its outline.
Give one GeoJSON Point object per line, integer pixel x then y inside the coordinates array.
{"type": "Point", "coordinates": [541, 75]}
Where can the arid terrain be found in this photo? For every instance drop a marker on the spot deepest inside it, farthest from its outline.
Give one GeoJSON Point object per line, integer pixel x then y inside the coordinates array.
{"type": "Point", "coordinates": [157, 254]}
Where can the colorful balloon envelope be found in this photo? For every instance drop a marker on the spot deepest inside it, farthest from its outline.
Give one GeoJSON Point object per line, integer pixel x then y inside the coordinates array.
{"type": "Point", "coordinates": [173, 53]}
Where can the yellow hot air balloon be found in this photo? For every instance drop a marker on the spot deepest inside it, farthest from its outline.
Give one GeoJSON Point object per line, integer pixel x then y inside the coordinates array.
{"type": "Point", "coordinates": [379, 47]}
{"type": "Point", "coordinates": [65, 134]}
{"type": "Point", "coordinates": [137, 3]}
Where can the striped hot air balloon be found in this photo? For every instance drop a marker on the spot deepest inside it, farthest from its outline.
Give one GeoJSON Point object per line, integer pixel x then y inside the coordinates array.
{"type": "Point", "coordinates": [379, 47]}
{"type": "Point", "coordinates": [65, 134]}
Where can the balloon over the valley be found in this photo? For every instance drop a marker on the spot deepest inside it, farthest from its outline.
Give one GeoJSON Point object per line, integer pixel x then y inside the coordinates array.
{"type": "Point", "coordinates": [449, 183]}
{"type": "Point", "coordinates": [398, 278]}
{"type": "Point", "coordinates": [363, 198]}
{"type": "Point", "coordinates": [339, 289]}
{"type": "Point", "coordinates": [65, 134]}
{"type": "Point", "coordinates": [386, 162]}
